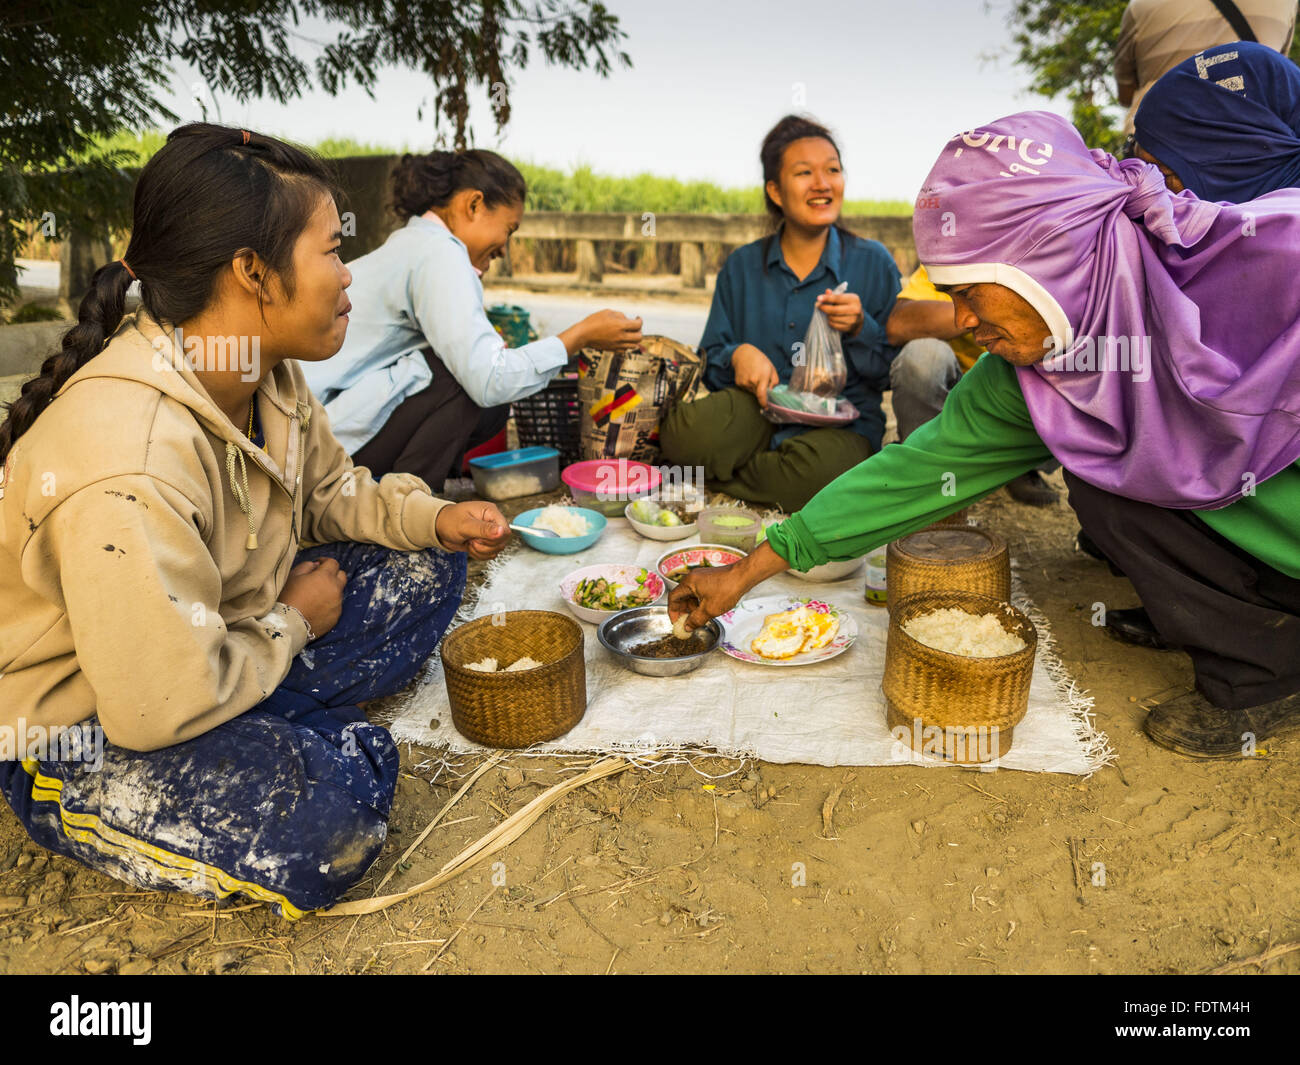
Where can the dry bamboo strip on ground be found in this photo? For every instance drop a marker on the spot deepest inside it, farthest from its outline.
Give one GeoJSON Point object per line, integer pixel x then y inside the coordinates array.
{"type": "Point", "coordinates": [828, 807]}
{"type": "Point", "coordinates": [1260, 959]}
{"type": "Point", "coordinates": [440, 815]}
{"type": "Point", "coordinates": [501, 836]}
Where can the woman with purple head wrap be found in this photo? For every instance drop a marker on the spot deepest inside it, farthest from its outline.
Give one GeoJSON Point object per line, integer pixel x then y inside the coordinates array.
{"type": "Point", "coordinates": [1205, 293]}
{"type": "Point", "coordinates": [1151, 343]}
{"type": "Point", "coordinates": [1224, 124]}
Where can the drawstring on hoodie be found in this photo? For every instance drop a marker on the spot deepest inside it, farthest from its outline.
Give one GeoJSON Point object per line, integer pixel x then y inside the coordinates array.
{"type": "Point", "coordinates": [239, 486]}
{"type": "Point", "coordinates": [241, 490]}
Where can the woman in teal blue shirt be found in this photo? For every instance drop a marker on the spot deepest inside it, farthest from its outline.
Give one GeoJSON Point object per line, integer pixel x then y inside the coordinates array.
{"type": "Point", "coordinates": [762, 305]}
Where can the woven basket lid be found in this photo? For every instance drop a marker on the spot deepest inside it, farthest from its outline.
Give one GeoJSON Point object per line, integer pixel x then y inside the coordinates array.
{"type": "Point", "coordinates": [953, 543]}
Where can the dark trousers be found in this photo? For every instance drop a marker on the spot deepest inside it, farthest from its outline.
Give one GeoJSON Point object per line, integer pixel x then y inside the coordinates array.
{"type": "Point", "coordinates": [287, 803]}
{"type": "Point", "coordinates": [430, 431]}
{"type": "Point", "coordinates": [726, 433]}
{"type": "Point", "coordinates": [1237, 617]}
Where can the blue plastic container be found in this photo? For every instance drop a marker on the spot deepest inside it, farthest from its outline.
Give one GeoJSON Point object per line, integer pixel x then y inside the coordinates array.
{"type": "Point", "coordinates": [509, 474]}
{"type": "Point", "coordinates": [563, 545]}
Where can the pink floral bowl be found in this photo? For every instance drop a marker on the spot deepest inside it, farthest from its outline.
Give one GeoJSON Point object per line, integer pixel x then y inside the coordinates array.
{"type": "Point", "coordinates": [683, 559]}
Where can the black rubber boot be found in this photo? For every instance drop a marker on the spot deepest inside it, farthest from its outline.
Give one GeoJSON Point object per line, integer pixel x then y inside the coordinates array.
{"type": "Point", "coordinates": [1134, 626]}
{"type": "Point", "coordinates": [1032, 489]}
{"type": "Point", "coordinates": [1193, 726]}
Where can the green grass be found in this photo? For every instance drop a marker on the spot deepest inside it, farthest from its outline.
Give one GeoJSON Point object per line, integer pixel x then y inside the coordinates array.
{"type": "Point", "coordinates": [580, 189]}
{"type": "Point", "coordinates": [141, 146]}
{"type": "Point", "coordinates": [138, 146]}
{"type": "Point", "coordinates": [34, 312]}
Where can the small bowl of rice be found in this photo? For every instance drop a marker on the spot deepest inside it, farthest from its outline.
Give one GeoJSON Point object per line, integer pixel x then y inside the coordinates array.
{"type": "Point", "coordinates": [576, 528]}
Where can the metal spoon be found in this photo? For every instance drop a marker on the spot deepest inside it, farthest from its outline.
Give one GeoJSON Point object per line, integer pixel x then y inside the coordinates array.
{"type": "Point", "coordinates": [545, 533]}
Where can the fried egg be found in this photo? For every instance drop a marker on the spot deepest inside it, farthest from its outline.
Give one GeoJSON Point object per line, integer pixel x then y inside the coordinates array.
{"type": "Point", "coordinates": [820, 629]}
{"type": "Point", "coordinates": [782, 635]}
{"type": "Point", "coordinates": [794, 632]}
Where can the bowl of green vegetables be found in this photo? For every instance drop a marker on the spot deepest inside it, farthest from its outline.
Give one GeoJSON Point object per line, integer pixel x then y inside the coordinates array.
{"type": "Point", "coordinates": [595, 593]}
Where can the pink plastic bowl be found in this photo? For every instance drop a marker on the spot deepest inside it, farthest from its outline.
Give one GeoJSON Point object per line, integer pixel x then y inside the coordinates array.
{"type": "Point", "coordinates": [607, 485]}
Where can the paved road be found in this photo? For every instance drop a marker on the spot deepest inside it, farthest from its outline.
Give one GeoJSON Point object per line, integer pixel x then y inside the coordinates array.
{"type": "Point", "coordinates": [551, 313]}
{"type": "Point", "coordinates": [40, 275]}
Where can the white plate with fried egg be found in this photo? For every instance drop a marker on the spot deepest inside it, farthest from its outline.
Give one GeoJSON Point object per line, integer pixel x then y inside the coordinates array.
{"type": "Point", "coordinates": [786, 630]}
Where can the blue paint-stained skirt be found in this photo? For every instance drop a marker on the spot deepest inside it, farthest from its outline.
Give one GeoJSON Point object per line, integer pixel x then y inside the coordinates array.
{"type": "Point", "coordinates": [287, 803]}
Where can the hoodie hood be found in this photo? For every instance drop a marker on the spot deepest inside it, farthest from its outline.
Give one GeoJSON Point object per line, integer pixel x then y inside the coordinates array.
{"type": "Point", "coordinates": [151, 357]}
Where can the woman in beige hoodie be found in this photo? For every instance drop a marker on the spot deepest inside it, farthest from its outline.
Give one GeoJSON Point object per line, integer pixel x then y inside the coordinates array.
{"type": "Point", "coordinates": [178, 680]}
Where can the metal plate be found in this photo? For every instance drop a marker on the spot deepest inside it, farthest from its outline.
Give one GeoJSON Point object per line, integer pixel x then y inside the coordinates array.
{"type": "Point", "coordinates": [636, 626]}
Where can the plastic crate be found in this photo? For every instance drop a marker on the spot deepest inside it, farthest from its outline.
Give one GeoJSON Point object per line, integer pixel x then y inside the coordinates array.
{"type": "Point", "coordinates": [550, 418]}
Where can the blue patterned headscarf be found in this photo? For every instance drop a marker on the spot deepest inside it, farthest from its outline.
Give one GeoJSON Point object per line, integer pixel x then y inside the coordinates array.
{"type": "Point", "coordinates": [1227, 122]}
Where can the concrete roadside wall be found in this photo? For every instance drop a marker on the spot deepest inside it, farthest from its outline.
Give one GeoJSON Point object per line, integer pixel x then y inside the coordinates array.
{"type": "Point", "coordinates": [548, 241]}
{"type": "Point", "coordinates": [22, 350]}
{"type": "Point", "coordinates": [24, 347]}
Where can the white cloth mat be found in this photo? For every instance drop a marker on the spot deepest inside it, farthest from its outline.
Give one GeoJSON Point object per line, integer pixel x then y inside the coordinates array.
{"type": "Point", "coordinates": [829, 713]}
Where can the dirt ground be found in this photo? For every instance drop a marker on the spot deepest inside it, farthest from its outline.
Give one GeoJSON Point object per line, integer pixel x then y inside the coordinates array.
{"type": "Point", "coordinates": [1157, 864]}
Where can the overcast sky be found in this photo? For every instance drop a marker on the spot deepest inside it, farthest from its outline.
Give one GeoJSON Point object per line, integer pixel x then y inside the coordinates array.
{"type": "Point", "coordinates": [893, 80]}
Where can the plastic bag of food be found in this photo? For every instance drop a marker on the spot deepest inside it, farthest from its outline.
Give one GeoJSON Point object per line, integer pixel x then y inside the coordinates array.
{"type": "Point", "coordinates": [785, 406]}
{"type": "Point", "coordinates": [820, 368]}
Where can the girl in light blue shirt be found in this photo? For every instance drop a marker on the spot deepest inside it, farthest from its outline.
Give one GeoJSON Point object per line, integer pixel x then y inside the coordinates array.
{"type": "Point", "coordinates": [422, 375]}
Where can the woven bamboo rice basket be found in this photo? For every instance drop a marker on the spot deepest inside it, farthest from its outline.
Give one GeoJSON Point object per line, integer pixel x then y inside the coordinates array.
{"type": "Point", "coordinates": [947, 558]}
{"type": "Point", "coordinates": [950, 706]}
{"type": "Point", "coordinates": [513, 710]}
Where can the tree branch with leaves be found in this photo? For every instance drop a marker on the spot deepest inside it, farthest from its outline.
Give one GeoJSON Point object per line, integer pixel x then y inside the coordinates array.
{"type": "Point", "coordinates": [77, 72]}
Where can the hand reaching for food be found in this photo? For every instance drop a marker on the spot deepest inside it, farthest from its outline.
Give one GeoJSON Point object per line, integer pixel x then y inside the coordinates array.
{"type": "Point", "coordinates": [705, 593]}
{"type": "Point", "coordinates": [605, 330]}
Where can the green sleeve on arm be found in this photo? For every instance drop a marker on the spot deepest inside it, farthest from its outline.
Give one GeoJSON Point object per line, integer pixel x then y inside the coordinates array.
{"type": "Point", "coordinates": [981, 439]}
{"type": "Point", "coordinates": [1264, 524]}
